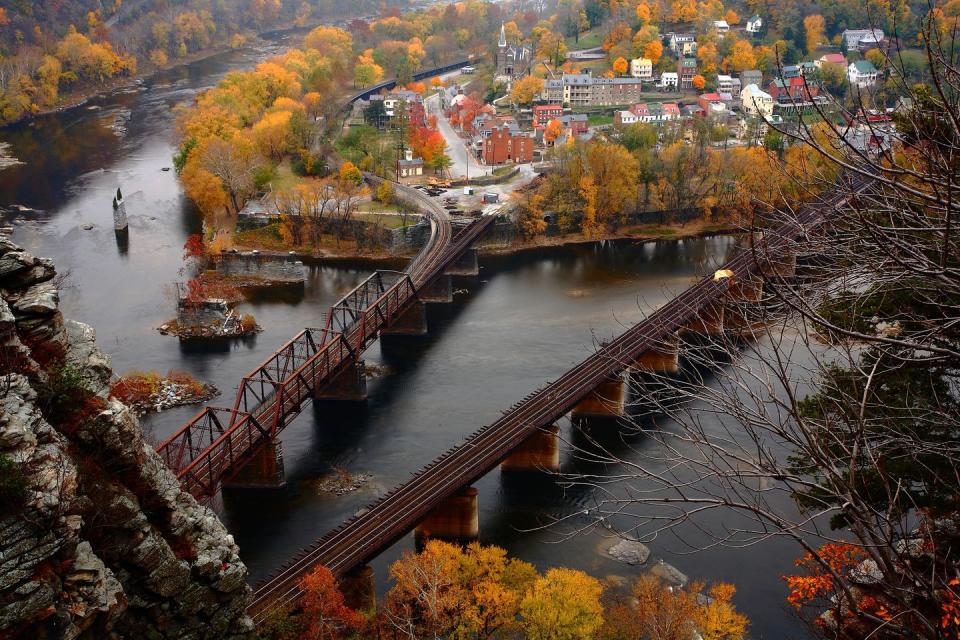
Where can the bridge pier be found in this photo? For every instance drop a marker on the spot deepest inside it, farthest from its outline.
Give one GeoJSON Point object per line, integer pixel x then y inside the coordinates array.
{"type": "Point", "coordinates": [539, 452]}
{"type": "Point", "coordinates": [440, 290]}
{"type": "Point", "coordinates": [709, 321]}
{"type": "Point", "coordinates": [359, 588]}
{"type": "Point", "coordinates": [350, 385]}
{"type": "Point", "coordinates": [263, 471]}
{"type": "Point", "coordinates": [783, 265]}
{"type": "Point", "coordinates": [663, 358]}
{"type": "Point", "coordinates": [456, 519]}
{"type": "Point", "coordinates": [466, 265]}
{"type": "Point", "coordinates": [413, 322]}
{"type": "Point", "coordinates": [608, 400]}
{"type": "Point", "coordinates": [748, 289]}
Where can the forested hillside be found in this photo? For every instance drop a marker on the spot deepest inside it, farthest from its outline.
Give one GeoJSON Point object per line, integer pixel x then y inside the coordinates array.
{"type": "Point", "coordinates": [53, 50]}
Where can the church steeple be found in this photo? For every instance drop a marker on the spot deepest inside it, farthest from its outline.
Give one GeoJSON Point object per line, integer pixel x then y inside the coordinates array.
{"type": "Point", "coordinates": [503, 37]}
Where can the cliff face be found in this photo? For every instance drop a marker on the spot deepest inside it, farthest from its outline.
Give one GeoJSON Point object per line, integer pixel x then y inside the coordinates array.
{"type": "Point", "coordinates": [96, 538]}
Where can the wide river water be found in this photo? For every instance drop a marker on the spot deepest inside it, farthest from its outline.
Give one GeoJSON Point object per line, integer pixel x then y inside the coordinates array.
{"type": "Point", "coordinates": [527, 319]}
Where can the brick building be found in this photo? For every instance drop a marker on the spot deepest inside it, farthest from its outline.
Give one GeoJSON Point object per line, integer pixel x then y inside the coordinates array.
{"type": "Point", "coordinates": [505, 145]}
{"type": "Point", "coordinates": [544, 113]}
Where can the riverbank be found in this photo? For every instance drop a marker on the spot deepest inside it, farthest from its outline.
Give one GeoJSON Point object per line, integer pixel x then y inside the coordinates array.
{"type": "Point", "coordinates": [640, 233]}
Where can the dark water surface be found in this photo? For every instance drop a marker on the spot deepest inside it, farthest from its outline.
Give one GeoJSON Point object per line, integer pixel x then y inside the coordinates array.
{"type": "Point", "coordinates": [526, 319]}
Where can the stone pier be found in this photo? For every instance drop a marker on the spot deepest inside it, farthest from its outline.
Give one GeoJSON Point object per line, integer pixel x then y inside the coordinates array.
{"type": "Point", "coordinates": [539, 452]}
{"type": "Point", "coordinates": [747, 289]}
{"type": "Point", "coordinates": [413, 322]}
{"type": "Point", "coordinates": [359, 588]}
{"type": "Point", "coordinates": [456, 519]}
{"type": "Point", "coordinates": [440, 290]}
{"type": "Point", "coordinates": [350, 385]}
{"type": "Point", "coordinates": [783, 265]}
{"type": "Point", "coordinates": [466, 265]}
{"type": "Point", "coordinates": [606, 401]}
{"type": "Point", "coordinates": [709, 321]}
{"type": "Point", "coordinates": [663, 358]}
{"type": "Point", "coordinates": [263, 471]}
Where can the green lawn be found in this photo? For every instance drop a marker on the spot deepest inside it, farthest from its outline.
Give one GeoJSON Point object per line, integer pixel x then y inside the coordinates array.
{"type": "Point", "coordinates": [285, 178]}
{"type": "Point", "coordinates": [388, 221]}
{"type": "Point", "coordinates": [598, 119]}
{"type": "Point", "coordinates": [588, 40]}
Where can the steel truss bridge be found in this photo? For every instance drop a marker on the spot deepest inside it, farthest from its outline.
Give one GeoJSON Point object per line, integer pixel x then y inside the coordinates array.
{"type": "Point", "coordinates": [213, 446]}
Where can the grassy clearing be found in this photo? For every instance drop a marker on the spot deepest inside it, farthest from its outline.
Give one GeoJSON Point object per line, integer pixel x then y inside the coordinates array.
{"type": "Point", "coordinates": [387, 221]}
{"type": "Point", "coordinates": [599, 119]}
{"type": "Point", "coordinates": [588, 40]}
{"type": "Point", "coordinates": [285, 178]}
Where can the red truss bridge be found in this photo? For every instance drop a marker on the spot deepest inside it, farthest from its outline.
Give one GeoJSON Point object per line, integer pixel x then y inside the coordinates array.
{"type": "Point", "coordinates": [218, 443]}
{"type": "Point", "coordinates": [439, 501]}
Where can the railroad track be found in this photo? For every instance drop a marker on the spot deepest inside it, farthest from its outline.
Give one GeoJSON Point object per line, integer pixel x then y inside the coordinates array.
{"type": "Point", "coordinates": [363, 536]}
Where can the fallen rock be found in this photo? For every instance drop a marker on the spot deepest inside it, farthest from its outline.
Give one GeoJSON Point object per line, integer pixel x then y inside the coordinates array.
{"type": "Point", "coordinates": [629, 551]}
{"type": "Point", "coordinates": [669, 574]}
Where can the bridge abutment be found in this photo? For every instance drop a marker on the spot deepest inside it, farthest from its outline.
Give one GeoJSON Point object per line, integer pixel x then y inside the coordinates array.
{"type": "Point", "coordinates": [263, 471]}
{"type": "Point", "coordinates": [539, 452]}
{"type": "Point", "coordinates": [413, 322]}
{"type": "Point", "coordinates": [608, 400]}
{"type": "Point", "coordinates": [747, 289]}
{"type": "Point", "coordinates": [709, 321]}
{"type": "Point", "coordinates": [467, 265]}
{"type": "Point", "coordinates": [350, 385]}
{"type": "Point", "coordinates": [456, 519]}
{"type": "Point", "coordinates": [359, 588]}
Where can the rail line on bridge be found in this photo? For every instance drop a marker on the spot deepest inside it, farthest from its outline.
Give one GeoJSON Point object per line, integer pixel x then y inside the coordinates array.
{"type": "Point", "coordinates": [375, 528]}
{"type": "Point", "coordinates": [216, 443]}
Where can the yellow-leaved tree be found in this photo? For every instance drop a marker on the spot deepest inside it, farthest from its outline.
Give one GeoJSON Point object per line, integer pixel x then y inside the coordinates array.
{"type": "Point", "coordinates": [564, 604]}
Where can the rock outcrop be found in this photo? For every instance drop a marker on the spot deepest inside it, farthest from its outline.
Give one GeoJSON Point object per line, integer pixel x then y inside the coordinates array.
{"type": "Point", "coordinates": [96, 538]}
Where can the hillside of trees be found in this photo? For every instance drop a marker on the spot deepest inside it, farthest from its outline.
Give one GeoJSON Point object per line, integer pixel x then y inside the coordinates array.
{"type": "Point", "coordinates": [53, 51]}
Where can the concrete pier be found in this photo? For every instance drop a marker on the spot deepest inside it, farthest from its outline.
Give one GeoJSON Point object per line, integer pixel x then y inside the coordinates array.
{"type": "Point", "coordinates": [467, 265]}
{"type": "Point", "coordinates": [457, 519]}
{"type": "Point", "coordinates": [263, 471]}
{"type": "Point", "coordinates": [359, 588]}
{"type": "Point", "coordinates": [350, 385]}
{"type": "Point", "coordinates": [539, 452]}
{"type": "Point", "coordinates": [413, 322]}
{"type": "Point", "coordinates": [606, 401]}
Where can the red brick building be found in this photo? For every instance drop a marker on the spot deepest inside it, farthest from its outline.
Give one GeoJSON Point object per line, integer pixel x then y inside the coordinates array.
{"type": "Point", "coordinates": [544, 113]}
{"type": "Point", "coordinates": [503, 145]}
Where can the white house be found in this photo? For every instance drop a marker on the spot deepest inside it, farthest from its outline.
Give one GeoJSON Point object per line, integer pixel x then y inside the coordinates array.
{"type": "Point", "coordinates": [854, 38]}
{"type": "Point", "coordinates": [680, 42]}
{"type": "Point", "coordinates": [756, 102]}
{"type": "Point", "coordinates": [754, 25]}
{"type": "Point", "coordinates": [728, 84]}
{"type": "Point", "coordinates": [625, 117]}
{"type": "Point", "coordinates": [641, 68]}
{"type": "Point", "coordinates": [721, 26]}
{"type": "Point", "coordinates": [862, 74]}
{"type": "Point", "coordinates": [669, 79]}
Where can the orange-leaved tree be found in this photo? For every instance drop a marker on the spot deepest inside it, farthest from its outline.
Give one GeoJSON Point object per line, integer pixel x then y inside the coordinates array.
{"type": "Point", "coordinates": [326, 615]}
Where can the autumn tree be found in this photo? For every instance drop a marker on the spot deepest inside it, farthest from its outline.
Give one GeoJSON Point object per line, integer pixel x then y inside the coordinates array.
{"type": "Point", "coordinates": [620, 66]}
{"type": "Point", "coordinates": [552, 131]}
{"type": "Point", "coordinates": [741, 57]}
{"type": "Point", "coordinates": [326, 614]}
{"type": "Point", "coordinates": [815, 28]}
{"type": "Point", "coordinates": [526, 89]}
{"type": "Point", "coordinates": [564, 604]}
{"type": "Point", "coordinates": [699, 82]}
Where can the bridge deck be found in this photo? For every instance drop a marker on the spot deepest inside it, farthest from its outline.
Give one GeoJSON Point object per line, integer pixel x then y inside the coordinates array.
{"type": "Point", "coordinates": [364, 536]}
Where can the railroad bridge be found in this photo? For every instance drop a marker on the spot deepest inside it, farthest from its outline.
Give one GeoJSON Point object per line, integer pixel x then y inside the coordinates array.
{"type": "Point", "coordinates": [438, 501]}
{"type": "Point", "coordinates": [239, 445]}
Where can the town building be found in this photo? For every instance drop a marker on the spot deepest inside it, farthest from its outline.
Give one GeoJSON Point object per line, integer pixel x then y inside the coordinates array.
{"type": "Point", "coordinates": [854, 39]}
{"type": "Point", "coordinates": [711, 103]}
{"type": "Point", "coordinates": [586, 90]}
{"type": "Point", "coordinates": [641, 68]}
{"type": "Point", "coordinates": [513, 61]}
{"type": "Point", "coordinates": [862, 74]}
{"type": "Point", "coordinates": [795, 93]}
{"type": "Point", "coordinates": [648, 113]}
{"type": "Point", "coordinates": [830, 58]}
{"type": "Point", "coordinates": [669, 80]}
{"type": "Point", "coordinates": [721, 26]}
{"type": "Point", "coordinates": [751, 76]}
{"type": "Point", "coordinates": [677, 41]}
{"type": "Point", "coordinates": [578, 124]}
{"type": "Point", "coordinates": [728, 84]}
{"type": "Point", "coordinates": [505, 144]}
{"type": "Point", "coordinates": [544, 113]}
{"type": "Point", "coordinates": [686, 70]}
{"type": "Point", "coordinates": [756, 102]}
{"type": "Point", "coordinates": [754, 25]}
{"type": "Point", "coordinates": [408, 166]}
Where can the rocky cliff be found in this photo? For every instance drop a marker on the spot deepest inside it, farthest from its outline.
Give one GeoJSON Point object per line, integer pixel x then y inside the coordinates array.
{"type": "Point", "coordinates": [96, 538]}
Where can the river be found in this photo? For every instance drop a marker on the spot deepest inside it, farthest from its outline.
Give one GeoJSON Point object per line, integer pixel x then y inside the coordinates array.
{"type": "Point", "coordinates": [526, 319]}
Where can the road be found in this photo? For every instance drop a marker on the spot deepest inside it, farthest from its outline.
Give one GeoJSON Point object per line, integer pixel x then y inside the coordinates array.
{"type": "Point", "coordinates": [464, 164]}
